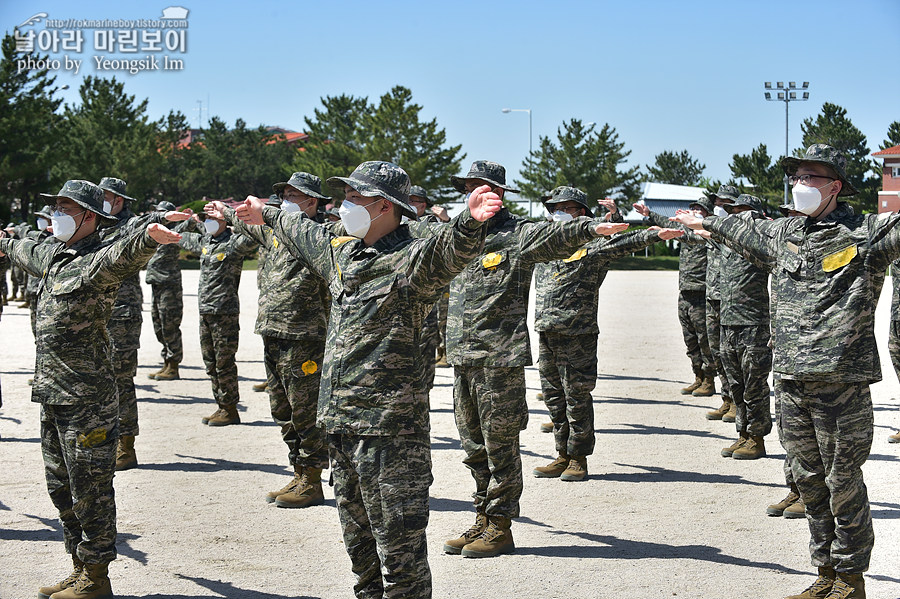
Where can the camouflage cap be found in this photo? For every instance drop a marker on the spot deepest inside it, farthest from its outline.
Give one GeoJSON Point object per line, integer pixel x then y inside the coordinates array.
{"type": "Point", "coordinates": [827, 155]}
{"type": "Point", "coordinates": [745, 199]}
{"type": "Point", "coordinates": [567, 194]}
{"type": "Point", "coordinates": [44, 212]}
{"type": "Point", "coordinates": [274, 200]}
{"type": "Point", "coordinates": [786, 209]}
{"type": "Point", "coordinates": [726, 192]}
{"type": "Point", "coordinates": [380, 179]}
{"type": "Point", "coordinates": [705, 203]}
{"type": "Point", "coordinates": [485, 170]}
{"type": "Point", "coordinates": [166, 206]}
{"type": "Point", "coordinates": [116, 186]}
{"type": "Point", "coordinates": [420, 192]}
{"type": "Point", "coordinates": [306, 183]}
{"type": "Point", "coordinates": [85, 194]}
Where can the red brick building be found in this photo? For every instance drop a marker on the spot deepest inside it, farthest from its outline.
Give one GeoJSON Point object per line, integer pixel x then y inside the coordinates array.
{"type": "Point", "coordinates": [889, 196]}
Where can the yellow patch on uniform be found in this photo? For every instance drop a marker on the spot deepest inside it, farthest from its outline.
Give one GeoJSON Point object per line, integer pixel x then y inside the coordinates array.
{"type": "Point", "coordinates": [577, 255]}
{"type": "Point", "coordinates": [309, 367]}
{"type": "Point", "coordinates": [275, 242]}
{"type": "Point", "coordinates": [836, 260]}
{"type": "Point", "coordinates": [204, 251]}
{"type": "Point", "coordinates": [492, 260]}
{"type": "Point", "coordinates": [341, 240]}
{"type": "Point", "coordinates": [220, 256]}
{"type": "Point", "coordinates": [93, 438]}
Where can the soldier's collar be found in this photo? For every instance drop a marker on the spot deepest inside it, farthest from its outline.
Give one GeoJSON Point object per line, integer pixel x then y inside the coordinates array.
{"type": "Point", "coordinates": [392, 239]}
{"type": "Point", "coordinates": [82, 245]}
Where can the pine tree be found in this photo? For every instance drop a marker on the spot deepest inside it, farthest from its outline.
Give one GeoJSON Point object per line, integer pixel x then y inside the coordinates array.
{"type": "Point", "coordinates": [676, 169]}
{"type": "Point", "coordinates": [893, 136]}
{"type": "Point", "coordinates": [761, 171]}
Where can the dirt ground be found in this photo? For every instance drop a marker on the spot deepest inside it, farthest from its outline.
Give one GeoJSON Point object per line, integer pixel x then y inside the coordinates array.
{"type": "Point", "coordinates": [661, 514]}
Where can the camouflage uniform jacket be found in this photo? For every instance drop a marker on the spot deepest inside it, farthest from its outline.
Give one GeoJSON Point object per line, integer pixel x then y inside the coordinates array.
{"type": "Point", "coordinates": [293, 301]}
{"type": "Point", "coordinates": [691, 256]}
{"type": "Point", "coordinates": [34, 282]}
{"type": "Point", "coordinates": [743, 285]}
{"type": "Point", "coordinates": [221, 260]}
{"type": "Point", "coordinates": [486, 324]}
{"type": "Point", "coordinates": [79, 285]}
{"type": "Point", "coordinates": [895, 298]}
{"type": "Point", "coordinates": [568, 290]}
{"type": "Point", "coordinates": [713, 269]}
{"type": "Point", "coordinates": [163, 268]}
{"type": "Point", "coordinates": [380, 296]}
{"type": "Point", "coordinates": [827, 277]}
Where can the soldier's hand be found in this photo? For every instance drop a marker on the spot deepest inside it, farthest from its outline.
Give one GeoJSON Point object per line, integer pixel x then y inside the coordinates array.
{"type": "Point", "coordinates": [609, 204]}
{"type": "Point", "coordinates": [215, 209]}
{"type": "Point", "coordinates": [641, 209]}
{"type": "Point", "coordinates": [608, 229]}
{"type": "Point", "coordinates": [162, 235]}
{"type": "Point", "coordinates": [175, 216]}
{"type": "Point", "coordinates": [689, 219]}
{"type": "Point", "coordinates": [250, 211]}
{"type": "Point", "coordinates": [484, 203]}
{"type": "Point", "coordinates": [441, 213]}
{"type": "Point", "coordinates": [667, 234]}
{"type": "Point", "coordinates": [704, 234]}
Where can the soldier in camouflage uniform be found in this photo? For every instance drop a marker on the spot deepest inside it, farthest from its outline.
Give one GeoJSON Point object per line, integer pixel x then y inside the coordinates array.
{"type": "Point", "coordinates": [20, 275]}
{"type": "Point", "coordinates": [567, 296]}
{"type": "Point", "coordinates": [167, 308]}
{"type": "Point", "coordinates": [75, 381]}
{"type": "Point", "coordinates": [39, 234]}
{"type": "Point", "coordinates": [371, 403]}
{"type": "Point", "coordinates": [894, 335]}
{"type": "Point", "coordinates": [293, 315]}
{"type": "Point", "coordinates": [488, 347]}
{"type": "Point", "coordinates": [261, 275]}
{"type": "Point", "coordinates": [222, 253]}
{"type": "Point", "coordinates": [828, 270]}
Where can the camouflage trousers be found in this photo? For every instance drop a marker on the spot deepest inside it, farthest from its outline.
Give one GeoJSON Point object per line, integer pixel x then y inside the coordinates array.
{"type": "Point", "coordinates": [431, 339]}
{"type": "Point", "coordinates": [692, 316]}
{"type": "Point", "coordinates": [219, 335]}
{"type": "Point", "coordinates": [786, 466]}
{"type": "Point", "coordinates": [827, 430]}
{"type": "Point", "coordinates": [78, 443]}
{"type": "Point", "coordinates": [747, 359]}
{"type": "Point", "coordinates": [166, 312]}
{"type": "Point", "coordinates": [381, 490]}
{"type": "Point", "coordinates": [125, 335]}
{"type": "Point", "coordinates": [490, 410]}
{"type": "Point", "coordinates": [713, 332]}
{"type": "Point", "coordinates": [4, 288]}
{"type": "Point", "coordinates": [293, 372]}
{"type": "Point", "coordinates": [19, 279]}
{"type": "Point", "coordinates": [894, 344]}
{"type": "Point", "coordinates": [568, 369]}
{"type": "Point", "coordinates": [443, 305]}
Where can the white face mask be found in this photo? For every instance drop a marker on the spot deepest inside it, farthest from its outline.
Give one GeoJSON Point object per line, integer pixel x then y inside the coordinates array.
{"type": "Point", "coordinates": [807, 199]}
{"type": "Point", "coordinates": [290, 207]}
{"type": "Point", "coordinates": [64, 225]}
{"type": "Point", "coordinates": [107, 206]}
{"type": "Point", "coordinates": [212, 226]}
{"type": "Point", "coordinates": [562, 217]}
{"type": "Point", "coordinates": [42, 224]}
{"type": "Point", "coordinates": [355, 218]}
{"type": "Point", "coordinates": [719, 211]}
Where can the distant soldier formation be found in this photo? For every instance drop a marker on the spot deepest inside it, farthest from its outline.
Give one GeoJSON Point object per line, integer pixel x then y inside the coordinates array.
{"type": "Point", "coordinates": [359, 304]}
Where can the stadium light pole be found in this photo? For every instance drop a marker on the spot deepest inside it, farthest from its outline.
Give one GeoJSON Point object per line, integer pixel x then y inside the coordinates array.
{"type": "Point", "coordinates": [786, 94]}
{"type": "Point", "coordinates": [528, 110]}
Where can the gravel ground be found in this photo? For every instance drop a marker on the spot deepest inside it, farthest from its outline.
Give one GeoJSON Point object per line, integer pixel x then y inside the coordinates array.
{"type": "Point", "coordinates": [661, 514]}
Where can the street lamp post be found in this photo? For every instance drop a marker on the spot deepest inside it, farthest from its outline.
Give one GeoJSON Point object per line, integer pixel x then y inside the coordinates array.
{"type": "Point", "coordinates": [787, 95]}
{"type": "Point", "coordinates": [528, 110]}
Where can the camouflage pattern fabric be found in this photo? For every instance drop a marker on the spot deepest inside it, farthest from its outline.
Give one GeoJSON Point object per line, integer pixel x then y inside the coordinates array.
{"type": "Point", "coordinates": [568, 369]}
{"type": "Point", "coordinates": [443, 305]}
{"type": "Point", "coordinates": [219, 335]}
{"type": "Point", "coordinates": [490, 410]}
{"type": "Point", "coordinates": [431, 339]}
{"type": "Point", "coordinates": [34, 283]}
{"type": "Point", "coordinates": [714, 335]}
{"type": "Point", "coordinates": [895, 295]}
{"type": "Point", "coordinates": [743, 288]}
{"type": "Point", "coordinates": [166, 312]}
{"type": "Point", "coordinates": [747, 359]}
{"type": "Point", "coordinates": [691, 256]}
{"type": "Point", "coordinates": [4, 286]}
{"type": "Point", "coordinates": [221, 260]}
{"type": "Point", "coordinates": [692, 317]}
{"type": "Point", "coordinates": [293, 371]}
{"type": "Point", "coordinates": [828, 429]}
{"type": "Point", "coordinates": [786, 466]}
{"type": "Point", "coordinates": [381, 490]}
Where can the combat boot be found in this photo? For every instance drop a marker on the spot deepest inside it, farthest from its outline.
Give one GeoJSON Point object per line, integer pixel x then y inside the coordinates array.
{"type": "Point", "coordinates": [224, 416]}
{"type": "Point", "coordinates": [271, 496]}
{"type": "Point", "coordinates": [153, 375]}
{"type": "Point", "coordinates": [576, 470]}
{"type": "Point", "coordinates": [260, 387]}
{"type": "Point", "coordinates": [777, 509]}
{"type": "Point", "coordinates": [554, 469]}
{"type": "Point", "coordinates": [707, 387]}
{"type": "Point", "coordinates": [455, 546]}
{"type": "Point", "coordinates": [895, 438]}
{"type": "Point", "coordinates": [126, 458]}
{"type": "Point", "coordinates": [547, 427]}
{"type": "Point", "coordinates": [496, 539]}
{"type": "Point", "coordinates": [308, 491]}
{"type": "Point", "coordinates": [797, 510]}
{"type": "Point", "coordinates": [169, 373]}
{"type": "Point", "coordinates": [727, 452]}
{"type": "Point", "coordinates": [720, 411]}
{"type": "Point", "coordinates": [848, 585]}
{"type": "Point", "coordinates": [731, 414]}
{"type": "Point", "coordinates": [92, 584]}
{"type": "Point", "coordinates": [441, 360]}
{"type": "Point", "coordinates": [753, 449]}
{"type": "Point", "coordinates": [698, 380]}
{"type": "Point", "coordinates": [216, 414]}
{"type": "Point", "coordinates": [78, 566]}
{"type": "Point", "coordinates": [821, 588]}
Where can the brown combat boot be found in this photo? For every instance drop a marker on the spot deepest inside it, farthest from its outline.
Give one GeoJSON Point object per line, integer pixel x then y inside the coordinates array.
{"type": "Point", "coordinates": [848, 585]}
{"type": "Point", "coordinates": [271, 496]}
{"type": "Point", "coordinates": [821, 587]}
{"type": "Point", "coordinates": [895, 438]}
{"type": "Point", "coordinates": [547, 427]}
{"type": "Point", "coordinates": [727, 452]}
{"type": "Point", "coordinates": [698, 380]}
{"type": "Point", "coordinates": [78, 566]}
{"type": "Point", "coordinates": [797, 510]}
{"type": "Point", "coordinates": [455, 546]}
{"type": "Point", "coordinates": [496, 539]}
{"type": "Point", "coordinates": [216, 414]}
{"type": "Point", "coordinates": [224, 416]}
{"type": "Point", "coordinates": [126, 458]}
{"type": "Point", "coordinates": [731, 414]}
{"type": "Point", "coordinates": [92, 584]}
{"type": "Point", "coordinates": [777, 509]}
{"type": "Point", "coordinates": [720, 411]}
{"type": "Point", "coordinates": [441, 360]}
{"type": "Point", "coordinates": [707, 387]}
{"type": "Point", "coordinates": [260, 387]}
{"type": "Point", "coordinates": [153, 375]}
{"type": "Point", "coordinates": [753, 449]}
{"type": "Point", "coordinates": [554, 469]}
{"type": "Point", "coordinates": [576, 470]}
{"type": "Point", "coordinates": [308, 491]}
{"type": "Point", "coordinates": [169, 373]}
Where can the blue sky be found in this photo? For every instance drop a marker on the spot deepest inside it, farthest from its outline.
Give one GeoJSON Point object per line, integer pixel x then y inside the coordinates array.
{"type": "Point", "coordinates": [668, 75]}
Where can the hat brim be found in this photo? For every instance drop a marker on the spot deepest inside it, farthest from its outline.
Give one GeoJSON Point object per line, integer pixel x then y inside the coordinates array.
{"type": "Point", "coordinates": [118, 193]}
{"type": "Point", "coordinates": [549, 201]}
{"type": "Point", "coordinates": [84, 205]}
{"type": "Point", "coordinates": [459, 183]}
{"type": "Point", "coordinates": [792, 163]}
{"type": "Point", "coordinates": [279, 189]}
{"type": "Point", "coordinates": [371, 191]}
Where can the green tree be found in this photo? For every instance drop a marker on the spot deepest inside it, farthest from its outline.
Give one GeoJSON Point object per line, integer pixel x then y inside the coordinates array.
{"type": "Point", "coordinates": [29, 126]}
{"type": "Point", "coordinates": [893, 136]}
{"type": "Point", "coordinates": [582, 157]}
{"type": "Point", "coordinates": [762, 172]}
{"type": "Point", "coordinates": [675, 168]}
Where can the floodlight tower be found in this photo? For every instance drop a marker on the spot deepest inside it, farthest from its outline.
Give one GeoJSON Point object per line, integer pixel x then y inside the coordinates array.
{"type": "Point", "coordinates": [787, 95]}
